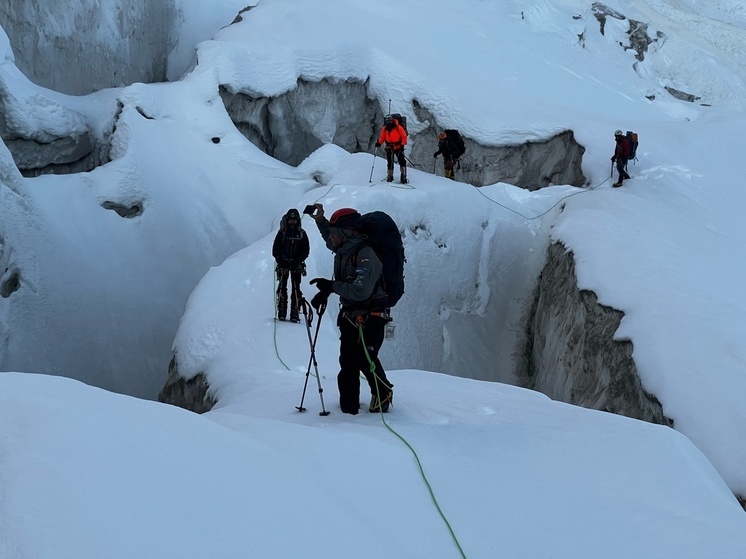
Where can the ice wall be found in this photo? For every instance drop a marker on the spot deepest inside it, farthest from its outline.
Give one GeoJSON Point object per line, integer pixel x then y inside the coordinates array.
{"type": "Point", "coordinates": [571, 353]}
{"type": "Point", "coordinates": [293, 125]}
{"type": "Point", "coordinates": [81, 46]}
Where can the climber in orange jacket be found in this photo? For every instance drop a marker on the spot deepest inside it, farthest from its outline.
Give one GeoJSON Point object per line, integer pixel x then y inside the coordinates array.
{"type": "Point", "coordinates": [395, 137]}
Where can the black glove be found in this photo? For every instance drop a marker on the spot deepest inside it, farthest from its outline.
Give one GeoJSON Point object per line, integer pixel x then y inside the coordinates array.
{"type": "Point", "coordinates": [324, 286]}
{"type": "Point", "coordinates": [325, 289]}
{"type": "Point", "coordinates": [378, 144]}
{"type": "Point", "coordinates": [436, 154]}
{"type": "Point", "coordinates": [613, 158]}
{"type": "Point", "coordinates": [318, 300]}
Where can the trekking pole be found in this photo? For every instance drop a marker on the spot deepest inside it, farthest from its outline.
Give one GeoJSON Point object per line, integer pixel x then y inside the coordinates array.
{"type": "Point", "coordinates": [435, 164]}
{"type": "Point", "coordinates": [308, 313]}
{"type": "Point", "coordinates": [375, 153]}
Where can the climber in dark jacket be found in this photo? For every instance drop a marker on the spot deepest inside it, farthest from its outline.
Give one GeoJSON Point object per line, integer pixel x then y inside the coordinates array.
{"type": "Point", "coordinates": [290, 251]}
{"type": "Point", "coordinates": [449, 151]}
{"type": "Point", "coordinates": [357, 281]}
{"type": "Point", "coordinates": [622, 151]}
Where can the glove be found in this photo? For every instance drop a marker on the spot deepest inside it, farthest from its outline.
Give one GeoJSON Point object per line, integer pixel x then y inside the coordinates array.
{"type": "Point", "coordinates": [613, 158]}
{"type": "Point", "coordinates": [436, 154]}
{"type": "Point", "coordinates": [325, 289]}
{"type": "Point", "coordinates": [324, 286]}
{"type": "Point", "coordinates": [318, 300]}
{"type": "Point", "coordinates": [378, 144]}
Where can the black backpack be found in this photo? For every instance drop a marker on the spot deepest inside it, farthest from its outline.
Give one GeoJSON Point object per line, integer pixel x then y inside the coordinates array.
{"type": "Point", "coordinates": [457, 141]}
{"type": "Point", "coordinates": [382, 234]}
{"type": "Point", "coordinates": [632, 138]}
{"type": "Point", "coordinates": [402, 120]}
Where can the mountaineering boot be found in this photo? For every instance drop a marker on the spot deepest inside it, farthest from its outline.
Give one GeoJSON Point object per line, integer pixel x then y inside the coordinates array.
{"type": "Point", "coordinates": [282, 305]}
{"type": "Point", "coordinates": [387, 396]}
{"type": "Point", "coordinates": [294, 297]}
{"type": "Point", "coordinates": [617, 184]}
{"type": "Point", "coordinates": [390, 175]}
{"type": "Point", "coordinates": [403, 176]}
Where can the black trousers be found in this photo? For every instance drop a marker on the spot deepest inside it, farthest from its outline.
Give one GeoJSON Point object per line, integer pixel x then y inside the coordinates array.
{"type": "Point", "coordinates": [621, 163]}
{"type": "Point", "coordinates": [399, 153]}
{"type": "Point", "coordinates": [352, 360]}
{"type": "Point", "coordinates": [282, 287]}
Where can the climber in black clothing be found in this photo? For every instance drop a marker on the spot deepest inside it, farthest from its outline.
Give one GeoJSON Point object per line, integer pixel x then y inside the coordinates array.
{"type": "Point", "coordinates": [290, 251]}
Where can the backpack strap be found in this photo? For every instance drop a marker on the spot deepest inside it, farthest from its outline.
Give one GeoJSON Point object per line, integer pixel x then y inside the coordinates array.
{"type": "Point", "coordinates": [381, 281]}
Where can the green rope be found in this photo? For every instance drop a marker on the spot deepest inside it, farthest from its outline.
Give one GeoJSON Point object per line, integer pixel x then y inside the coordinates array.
{"type": "Point", "coordinates": [591, 189]}
{"type": "Point", "coordinates": [409, 446]}
{"type": "Point", "coordinates": [274, 334]}
{"type": "Point", "coordinates": [383, 419]}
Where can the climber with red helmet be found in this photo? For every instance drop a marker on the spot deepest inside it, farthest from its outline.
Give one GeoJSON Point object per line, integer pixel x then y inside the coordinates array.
{"type": "Point", "coordinates": [357, 281]}
{"type": "Point", "coordinates": [395, 137]}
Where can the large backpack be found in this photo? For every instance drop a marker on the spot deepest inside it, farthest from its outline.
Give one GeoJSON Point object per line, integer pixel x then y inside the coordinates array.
{"type": "Point", "coordinates": [632, 138]}
{"type": "Point", "coordinates": [457, 141]}
{"type": "Point", "coordinates": [382, 234]}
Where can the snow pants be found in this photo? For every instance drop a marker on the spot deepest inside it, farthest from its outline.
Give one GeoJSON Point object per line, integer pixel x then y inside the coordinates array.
{"type": "Point", "coordinates": [353, 361]}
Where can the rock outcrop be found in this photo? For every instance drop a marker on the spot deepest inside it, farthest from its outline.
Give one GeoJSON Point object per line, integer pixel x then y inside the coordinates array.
{"type": "Point", "coordinates": [191, 394]}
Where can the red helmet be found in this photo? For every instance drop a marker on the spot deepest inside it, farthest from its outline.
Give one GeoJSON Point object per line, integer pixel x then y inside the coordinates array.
{"type": "Point", "coordinates": [345, 218]}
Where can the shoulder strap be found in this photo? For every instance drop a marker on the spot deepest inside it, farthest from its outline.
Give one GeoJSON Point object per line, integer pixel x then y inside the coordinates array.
{"type": "Point", "coordinates": [380, 281]}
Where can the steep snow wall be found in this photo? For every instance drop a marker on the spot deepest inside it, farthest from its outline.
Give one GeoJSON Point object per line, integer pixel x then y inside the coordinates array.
{"type": "Point", "coordinates": [81, 46]}
{"type": "Point", "coordinates": [567, 351]}
{"type": "Point", "coordinates": [571, 354]}
{"type": "Point", "coordinates": [292, 126]}
{"type": "Point", "coordinates": [46, 136]}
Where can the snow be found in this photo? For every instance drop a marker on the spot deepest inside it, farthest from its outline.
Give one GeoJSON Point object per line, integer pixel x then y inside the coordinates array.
{"type": "Point", "coordinates": [196, 22]}
{"type": "Point", "coordinates": [88, 473]}
{"type": "Point", "coordinates": [95, 474]}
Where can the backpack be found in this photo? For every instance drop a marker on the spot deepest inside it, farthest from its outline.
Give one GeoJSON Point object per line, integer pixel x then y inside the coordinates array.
{"type": "Point", "coordinates": [402, 121]}
{"type": "Point", "coordinates": [382, 235]}
{"type": "Point", "coordinates": [632, 138]}
{"type": "Point", "coordinates": [457, 141]}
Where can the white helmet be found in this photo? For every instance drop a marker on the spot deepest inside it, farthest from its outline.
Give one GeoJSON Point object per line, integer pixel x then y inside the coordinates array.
{"type": "Point", "coordinates": [618, 133]}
